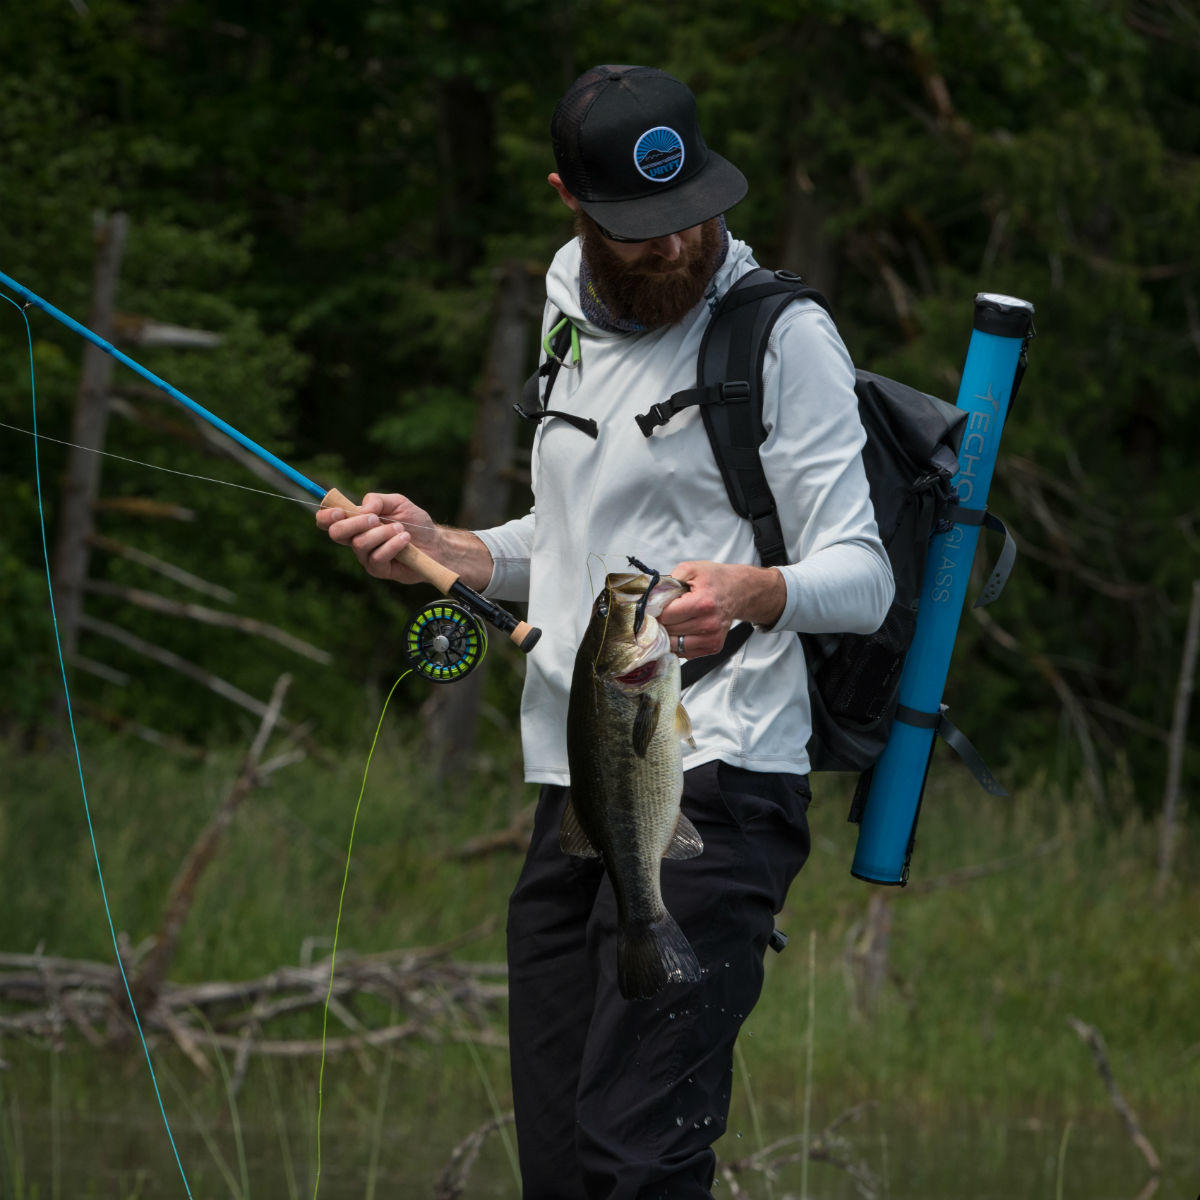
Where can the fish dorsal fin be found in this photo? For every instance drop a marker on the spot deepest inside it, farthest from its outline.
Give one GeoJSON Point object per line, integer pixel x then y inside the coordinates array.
{"type": "Point", "coordinates": [644, 724]}
{"type": "Point", "coordinates": [686, 841]}
{"type": "Point", "coordinates": [571, 838]}
{"type": "Point", "coordinates": [683, 726]}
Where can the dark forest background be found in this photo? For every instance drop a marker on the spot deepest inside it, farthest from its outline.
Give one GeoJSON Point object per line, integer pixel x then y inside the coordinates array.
{"type": "Point", "coordinates": [353, 197]}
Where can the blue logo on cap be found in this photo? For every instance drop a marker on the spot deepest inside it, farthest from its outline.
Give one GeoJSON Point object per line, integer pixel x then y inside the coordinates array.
{"type": "Point", "coordinates": [658, 154]}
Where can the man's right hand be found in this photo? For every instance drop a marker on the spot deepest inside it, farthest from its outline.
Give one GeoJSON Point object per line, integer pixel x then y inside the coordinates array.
{"type": "Point", "coordinates": [387, 524]}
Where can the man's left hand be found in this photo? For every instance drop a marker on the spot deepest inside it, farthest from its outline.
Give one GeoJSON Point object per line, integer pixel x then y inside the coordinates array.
{"type": "Point", "coordinates": [720, 594]}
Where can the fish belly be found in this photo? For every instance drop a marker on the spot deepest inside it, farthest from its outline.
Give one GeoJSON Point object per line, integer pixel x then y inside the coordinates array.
{"type": "Point", "coordinates": [628, 805]}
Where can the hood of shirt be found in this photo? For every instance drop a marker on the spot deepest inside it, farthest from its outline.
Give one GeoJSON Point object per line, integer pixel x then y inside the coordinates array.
{"type": "Point", "coordinates": [562, 282]}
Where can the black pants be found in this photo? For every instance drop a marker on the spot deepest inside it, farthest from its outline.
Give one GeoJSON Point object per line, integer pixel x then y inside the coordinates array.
{"type": "Point", "coordinates": [622, 1099]}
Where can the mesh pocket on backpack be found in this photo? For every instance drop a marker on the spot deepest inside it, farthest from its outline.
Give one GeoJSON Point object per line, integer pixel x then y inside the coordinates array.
{"type": "Point", "coordinates": [861, 679]}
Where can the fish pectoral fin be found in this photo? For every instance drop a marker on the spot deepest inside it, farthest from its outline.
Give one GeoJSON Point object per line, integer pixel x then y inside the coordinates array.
{"type": "Point", "coordinates": [644, 724]}
{"type": "Point", "coordinates": [571, 838]}
{"type": "Point", "coordinates": [683, 726]}
{"type": "Point", "coordinates": [686, 841]}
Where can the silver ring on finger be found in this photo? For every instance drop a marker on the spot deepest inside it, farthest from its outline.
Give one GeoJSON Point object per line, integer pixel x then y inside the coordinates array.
{"type": "Point", "coordinates": [679, 648]}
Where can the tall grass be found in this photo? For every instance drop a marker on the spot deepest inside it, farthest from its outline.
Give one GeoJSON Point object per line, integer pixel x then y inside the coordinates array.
{"type": "Point", "coordinates": [969, 1024]}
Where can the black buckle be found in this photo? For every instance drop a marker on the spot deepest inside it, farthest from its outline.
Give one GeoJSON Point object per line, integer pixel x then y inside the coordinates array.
{"type": "Point", "coordinates": [659, 414]}
{"type": "Point", "coordinates": [768, 539]}
{"type": "Point", "coordinates": [736, 391]}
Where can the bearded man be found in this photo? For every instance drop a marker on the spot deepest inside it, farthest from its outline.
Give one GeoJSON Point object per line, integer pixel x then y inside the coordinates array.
{"type": "Point", "coordinates": [622, 1098]}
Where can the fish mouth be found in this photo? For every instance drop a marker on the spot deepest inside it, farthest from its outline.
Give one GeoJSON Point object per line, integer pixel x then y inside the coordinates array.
{"type": "Point", "coordinates": [644, 651]}
{"type": "Point", "coordinates": [640, 675]}
{"type": "Point", "coordinates": [629, 588]}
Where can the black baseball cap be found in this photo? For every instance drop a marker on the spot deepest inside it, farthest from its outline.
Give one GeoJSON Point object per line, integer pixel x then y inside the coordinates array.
{"type": "Point", "coordinates": [629, 149]}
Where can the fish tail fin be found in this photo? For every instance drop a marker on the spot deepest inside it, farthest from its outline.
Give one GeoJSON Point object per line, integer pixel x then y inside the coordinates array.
{"type": "Point", "coordinates": [651, 954]}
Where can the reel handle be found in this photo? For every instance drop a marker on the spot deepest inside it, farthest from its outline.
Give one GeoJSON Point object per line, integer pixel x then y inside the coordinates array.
{"type": "Point", "coordinates": [524, 635]}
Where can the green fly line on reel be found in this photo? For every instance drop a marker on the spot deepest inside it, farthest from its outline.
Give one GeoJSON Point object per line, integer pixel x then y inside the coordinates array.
{"type": "Point", "coordinates": [444, 642]}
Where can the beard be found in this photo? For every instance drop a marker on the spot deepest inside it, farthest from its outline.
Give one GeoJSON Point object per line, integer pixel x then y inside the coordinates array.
{"type": "Point", "coordinates": [651, 292]}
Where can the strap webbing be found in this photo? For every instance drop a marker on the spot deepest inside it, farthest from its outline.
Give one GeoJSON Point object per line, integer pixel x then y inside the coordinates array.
{"type": "Point", "coordinates": [1008, 553]}
{"type": "Point", "coordinates": [733, 349]}
{"type": "Point", "coordinates": [583, 424]}
{"type": "Point", "coordinates": [735, 391]}
{"type": "Point", "coordinates": [956, 740]}
{"type": "Point", "coordinates": [696, 668]}
{"type": "Point", "coordinates": [533, 398]}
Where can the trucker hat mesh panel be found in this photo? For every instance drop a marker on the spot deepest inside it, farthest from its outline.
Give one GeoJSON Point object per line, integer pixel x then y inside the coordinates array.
{"type": "Point", "coordinates": [567, 123]}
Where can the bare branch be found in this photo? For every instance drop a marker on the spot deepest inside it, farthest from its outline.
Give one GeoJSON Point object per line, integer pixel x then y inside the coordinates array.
{"type": "Point", "coordinates": [167, 658]}
{"type": "Point", "coordinates": [90, 666]}
{"type": "Point", "coordinates": [145, 331]}
{"type": "Point", "coordinates": [210, 616]}
{"type": "Point", "coordinates": [1072, 707]}
{"type": "Point", "coordinates": [452, 1180]}
{"type": "Point", "coordinates": [514, 838]}
{"type": "Point", "coordinates": [149, 979]}
{"type": "Point", "coordinates": [164, 568]}
{"type": "Point", "coordinates": [144, 506]}
{"type": "Point", "coordinates": [154, 737]}
{"type": "Point", "coordinates": [1091, 1035]}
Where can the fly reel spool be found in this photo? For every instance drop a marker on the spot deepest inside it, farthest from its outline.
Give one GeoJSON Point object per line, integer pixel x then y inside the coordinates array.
{"type": "Point", "coordinates": [445, 642]}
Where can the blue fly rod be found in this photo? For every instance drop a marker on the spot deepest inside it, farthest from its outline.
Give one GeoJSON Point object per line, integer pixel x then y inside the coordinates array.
{"type": "Point", "coordinates": [995, 355]}
{"type": "Point", "coordinates": [444, 579]}
{"type": "Point", "coordinates": [175, 394]}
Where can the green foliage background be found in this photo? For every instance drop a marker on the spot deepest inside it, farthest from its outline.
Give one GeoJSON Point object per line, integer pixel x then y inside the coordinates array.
{"type": "Point", "coordinates": [333, 188]}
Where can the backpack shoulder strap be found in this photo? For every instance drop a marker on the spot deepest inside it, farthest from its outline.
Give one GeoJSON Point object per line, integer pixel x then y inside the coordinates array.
{"type": "Point", "coordinates": [731, 361]}
{"type": "Point", "coordinates": [729, 393]}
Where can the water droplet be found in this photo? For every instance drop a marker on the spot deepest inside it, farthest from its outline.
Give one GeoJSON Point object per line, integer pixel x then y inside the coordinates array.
{"type": "Point", "coordinates": [695, 1124]}
{"type": "Point", "coordinates": [670, 1016]}
{"type": "Point", "coordinates": [727, 964]}
{"type": "Point", "coordinates": [739, 1133]}
{"type": "Point", "coordinates": [679, 1121]}
{"type": "Point", "coordinates": [708, 1120]}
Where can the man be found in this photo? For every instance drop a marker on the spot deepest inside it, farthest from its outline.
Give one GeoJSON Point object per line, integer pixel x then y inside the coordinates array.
{"type": "Point", "coordinates": [618, 1098]}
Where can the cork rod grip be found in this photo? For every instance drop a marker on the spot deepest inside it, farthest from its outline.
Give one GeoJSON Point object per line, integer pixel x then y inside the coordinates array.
{"type": "Point", "coordinates": [443, 578]}
{"type": "Point", "coordinates": [431, 571]}
{"type": "Point", "coordinates": [525, 636]}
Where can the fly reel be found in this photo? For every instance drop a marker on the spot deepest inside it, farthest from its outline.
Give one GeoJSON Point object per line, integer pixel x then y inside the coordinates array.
{"type": "Point", "coordinates": [444, 642]}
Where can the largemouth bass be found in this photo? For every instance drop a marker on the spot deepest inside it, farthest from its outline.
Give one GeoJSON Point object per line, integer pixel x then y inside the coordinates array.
{"type": "Point", "coordinates": [624, 731]}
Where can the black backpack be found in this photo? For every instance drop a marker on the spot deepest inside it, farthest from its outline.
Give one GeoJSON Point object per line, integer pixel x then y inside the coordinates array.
{"type": "Point", "coordinates": [910, 457]}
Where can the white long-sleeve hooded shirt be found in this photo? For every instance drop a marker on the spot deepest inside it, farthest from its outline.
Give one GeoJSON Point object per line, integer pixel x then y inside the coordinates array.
{"type": "Point", "coordinates": [662, 500]}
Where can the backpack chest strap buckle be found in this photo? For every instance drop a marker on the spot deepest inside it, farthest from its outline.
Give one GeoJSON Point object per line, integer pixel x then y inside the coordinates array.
{"type": "Point", "coordinates": [735, 391]}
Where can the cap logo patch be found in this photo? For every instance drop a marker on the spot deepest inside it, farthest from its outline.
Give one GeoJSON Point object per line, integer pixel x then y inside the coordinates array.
{"type": "Point", "coordinates": [658, 154]}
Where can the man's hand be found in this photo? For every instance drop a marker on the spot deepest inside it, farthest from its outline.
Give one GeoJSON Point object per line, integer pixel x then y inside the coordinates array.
{"type": "Point", "coordinates": [388, 523]}
{"type": "Point", "coordinates": [719, 595]}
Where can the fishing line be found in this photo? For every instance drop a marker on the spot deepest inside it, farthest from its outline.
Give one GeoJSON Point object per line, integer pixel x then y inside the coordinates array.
{"type": "Point", "coordinates": [37, 472]}
{"type": "Point", "coordinates": [607, 610]}
{"type": "Point", "coordinates": [338, 926]}
{"type": "Point", "coordinates": [141, 462]}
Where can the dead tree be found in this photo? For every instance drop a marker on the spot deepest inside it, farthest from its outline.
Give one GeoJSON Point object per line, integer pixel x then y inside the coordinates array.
{"type": "Point", "coordinates": [451, 714]}
{"type": "Point", "coordinates": [1178, 742]}
{"type": "Point", "coordinates": [82, 481]}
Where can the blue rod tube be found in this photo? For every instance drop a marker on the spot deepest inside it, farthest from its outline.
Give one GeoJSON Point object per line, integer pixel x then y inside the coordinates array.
{"type": "Point", "coordinates": [175, 394]}
{"type": "Point", "coordinates": [1001, 326]}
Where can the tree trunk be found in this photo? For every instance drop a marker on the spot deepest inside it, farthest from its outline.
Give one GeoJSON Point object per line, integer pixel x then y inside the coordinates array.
{"type": "Point", "coordinates": [807, 249]}
{"type": "Point", "coordinates": [1178, 743]}
{"type": "Point", "coordinates": [451, 713]}
{"type": "Point", "coordinates": [82, 482]}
